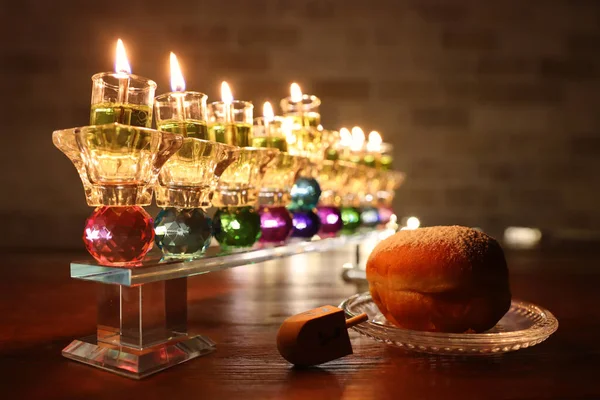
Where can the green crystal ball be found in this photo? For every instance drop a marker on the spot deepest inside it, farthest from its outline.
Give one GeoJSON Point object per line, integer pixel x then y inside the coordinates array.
{"type": "Point", "coordinates": [305, 194]}
{"type": "Point", "coordinates": [350, 219]}
{"type": "Point", "coordinates": [236, 227]}
{"type": "Point", "coordinates": [182, 233]}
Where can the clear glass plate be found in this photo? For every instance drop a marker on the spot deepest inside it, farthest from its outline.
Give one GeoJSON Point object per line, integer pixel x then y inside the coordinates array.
{"type": "Point", "coordinates": [524, 325]}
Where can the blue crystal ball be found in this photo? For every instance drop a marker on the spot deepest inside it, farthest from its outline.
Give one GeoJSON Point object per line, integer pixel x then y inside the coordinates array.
{"type": "Point", "coordinates": [306, 223]}
{"type": "Point", "coordinates": [369, 216]}
{"type": "Point", "coordinates": [305, 194]}
{"type": "Point", "coordinates": [182, 233]}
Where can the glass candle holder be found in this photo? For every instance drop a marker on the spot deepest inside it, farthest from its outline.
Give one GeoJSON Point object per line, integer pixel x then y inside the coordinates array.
{"type": "Point", "coordinates": [272, 134]}
{"type": "Point", "coordinates": [123, 98]}
{"type": "Point", "coordinates": [189, 177]}
{"type": "Point", "coordinates": [279, 179]}
{"type": "Point", "coordinates": [183, 113]}
{"type": "Point", "coordinates": [372, 187]}
{"type": "Point", "coordinates": [386, 159]}
{"type": "Point", "coordinates": [354, 189]}
{"type": "Point", "coordinates": [118, 164]}
{"type": "Point", "coordinates": [231, 123]}
{"type": "Point", "coordinates": [331, 145]}
{"type": "Point", "coordinates": [332, 177]}
{"type": "Point", "coordinates": [390, 182]}
{"type": "Point", "coordinates": [241, 181]}
{"type": "Point", "coordinates": [303, 113]}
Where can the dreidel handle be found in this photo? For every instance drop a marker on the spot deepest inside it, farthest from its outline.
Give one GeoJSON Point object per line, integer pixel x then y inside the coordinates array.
{"type": "Point", "coordinates": [350, 322]}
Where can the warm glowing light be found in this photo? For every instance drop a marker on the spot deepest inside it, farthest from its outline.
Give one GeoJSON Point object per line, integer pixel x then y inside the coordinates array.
{"type": "Point", "coordinates": [268, 114]}
{"type": "Point", "coordinates": [226, 95]}
{"type": "Point", "coordinates": [412, 223]}
{"type": "Point", "coordinates": [319, 127]}
{"type": "Point", "coordinates": [520, 236]}
{"type": "Point", "coordinates": [374, 143]}
{"type": "Point", "coordinates": [345, 137]}
{"type": "Point", "coordinates": [121, 62]}
{"type": "Point", "coordinates": [287, 126]}
{"type": "Point", "coordinates": [177, 81]}
{"type": "Point", "coordinates": [296, 93]}
{"type": "Point", "coordinates": [358, 138]}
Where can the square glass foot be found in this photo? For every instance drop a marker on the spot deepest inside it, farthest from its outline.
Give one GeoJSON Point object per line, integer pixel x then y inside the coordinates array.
{"type": "Point", "coordinates": [137, 364]}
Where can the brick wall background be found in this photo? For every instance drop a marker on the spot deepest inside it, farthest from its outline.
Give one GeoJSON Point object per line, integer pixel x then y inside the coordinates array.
{"type": "Point", "coordinates": [492, 106]}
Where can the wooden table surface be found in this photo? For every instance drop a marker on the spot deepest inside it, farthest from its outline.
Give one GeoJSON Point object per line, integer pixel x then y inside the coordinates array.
{"type": "Point", "coordinates": [241, 309]}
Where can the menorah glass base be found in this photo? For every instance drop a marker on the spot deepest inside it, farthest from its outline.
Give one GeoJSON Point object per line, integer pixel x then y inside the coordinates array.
{"type": "Point", "coordinates": [133, 363]}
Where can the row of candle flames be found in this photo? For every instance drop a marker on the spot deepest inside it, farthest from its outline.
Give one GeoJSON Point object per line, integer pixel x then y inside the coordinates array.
{"type": "Point", "coordinates": [351, 145]}
{"type": "Point", "coordinates": [122, 162]}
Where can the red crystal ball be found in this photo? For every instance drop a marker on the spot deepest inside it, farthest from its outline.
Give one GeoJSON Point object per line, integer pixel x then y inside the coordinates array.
{"type": "Point", "coordinates": [119, 236]}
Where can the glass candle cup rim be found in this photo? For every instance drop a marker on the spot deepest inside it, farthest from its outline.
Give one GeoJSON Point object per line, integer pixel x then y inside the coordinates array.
{"type": "Point", "coordinates": [257, 149]}
{"type": "Point", "coordinates": [165, 96]}
{"type": "Point", "coordinates": [119, 125]}
{"type": "Point", "coordinates": [260, 121]}
{"type": "Point", "coordinates": [308, 100]}
{"type": "Point", "coordinates": [241, 103]}
{"type": "Point", "coordinates": [149, 83]}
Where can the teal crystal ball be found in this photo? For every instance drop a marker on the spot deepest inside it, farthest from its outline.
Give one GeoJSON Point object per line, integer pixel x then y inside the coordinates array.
{"type": "Point", "coordinates": [305, 194]}
{"type": "Point", "coordinates": [182, 233]}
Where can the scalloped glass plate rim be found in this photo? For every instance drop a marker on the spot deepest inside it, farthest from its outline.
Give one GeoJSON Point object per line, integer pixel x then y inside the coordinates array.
{"type": "Point", "coordinates": [549, 326]}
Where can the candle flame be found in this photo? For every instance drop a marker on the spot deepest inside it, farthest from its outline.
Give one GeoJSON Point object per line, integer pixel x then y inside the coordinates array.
{"type": "Point", "coordinates": [374, 143]}
{"type": "Point", "coordinates": [177, 81]}
{"type": "Point", "coordinates": [268, 114]}
{"type": "Point", "coordinates": [121, 62]}
{"type": "Point", "coordinates": [226, 95]}
{"type": "Point", "coordinates": [358, 138]}
{"type": "Point", "coordinates": [345, 137]}
{"type": "Point", "coordinates": [296, 93]}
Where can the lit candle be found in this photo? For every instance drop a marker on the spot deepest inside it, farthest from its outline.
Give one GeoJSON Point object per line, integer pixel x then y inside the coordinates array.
{"type": "Point", "coordinates": [358, 139]}
{"type": "Point", "coordinates": [303, 109]}
{"type": "Point", "coordinates": [120, 96]}
{"type": "Point", "coordinates": [374, 143]}
{"type": "Point", "coordinates": [123, 70]}
{"type": "Point", "coordinates": [177, 85]}
{"type": "Point", "coordinates": [227, 98]}
{"type": "Point", "coordinates": [180, 111]}
{"type": "Point", "coordinates": [372, 156]}
{"type": "Point", "coordinates": [345, 143]}
{"type": "Point", "coordinates": [231, 120]}
{"type": "Point", "coordinates": [357, 145]}
{"type": "Point", "coordinates": [268, 117]}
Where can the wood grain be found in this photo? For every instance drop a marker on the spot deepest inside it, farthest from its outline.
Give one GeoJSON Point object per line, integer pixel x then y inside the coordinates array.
{"type": "Point", "coordinates": [241, 309]}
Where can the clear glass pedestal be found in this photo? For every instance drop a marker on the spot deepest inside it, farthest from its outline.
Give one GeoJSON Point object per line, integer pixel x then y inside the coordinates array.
{"type": "Point", "coordinates": [141, 330]}
{"type": "Point", "coordinates": [142, 325]}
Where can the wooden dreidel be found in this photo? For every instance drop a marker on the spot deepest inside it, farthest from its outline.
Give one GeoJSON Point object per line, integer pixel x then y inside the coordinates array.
{"type": "Point", "coordinates": [316, 336]}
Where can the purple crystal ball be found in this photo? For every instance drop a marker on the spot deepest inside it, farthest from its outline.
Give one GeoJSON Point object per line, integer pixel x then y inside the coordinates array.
{"type": "Point", "coordinates": [306, 224]}
{"type": "Point", "coordinates": [276, 224]}
{"type": "Point", "coordinates": [385, 213]}
{"type": "Point", "coordinates": [331, 220]}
